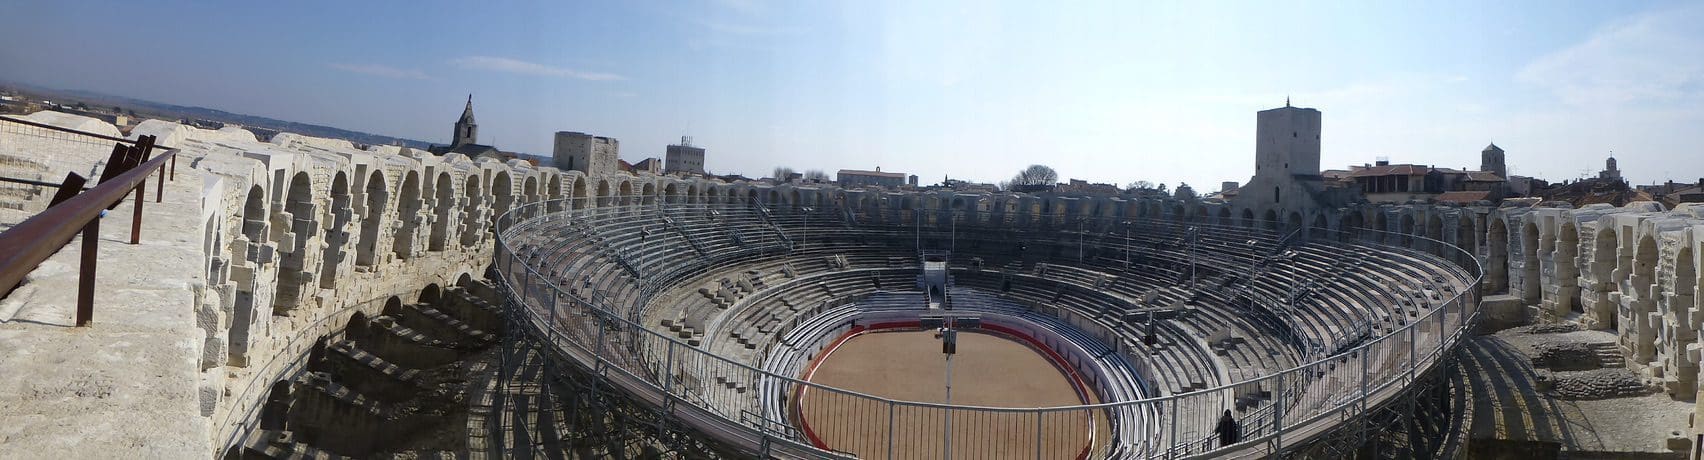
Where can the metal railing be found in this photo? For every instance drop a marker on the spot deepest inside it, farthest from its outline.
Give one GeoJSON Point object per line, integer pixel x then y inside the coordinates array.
{"type": "Point", "coordinates": [26, 245]}
{"type": "Point", "coordinates": [1309, 399]}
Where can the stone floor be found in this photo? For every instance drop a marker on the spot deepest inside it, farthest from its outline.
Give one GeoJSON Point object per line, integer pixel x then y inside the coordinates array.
{"type": "Point", "coordinates": [130, 376]}
{"type": "Point", "coordinates": [1518, 414]}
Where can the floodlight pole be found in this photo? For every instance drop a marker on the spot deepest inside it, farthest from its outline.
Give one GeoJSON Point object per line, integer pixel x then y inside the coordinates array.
{"type": "Point", "coordinates": [949, 345]}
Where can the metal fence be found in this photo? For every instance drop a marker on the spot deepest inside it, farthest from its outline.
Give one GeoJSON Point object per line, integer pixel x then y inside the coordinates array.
{"type": "Point", "coordinates": [693, 386]}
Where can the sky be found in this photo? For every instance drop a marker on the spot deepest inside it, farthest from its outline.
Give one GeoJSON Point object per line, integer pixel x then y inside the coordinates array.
{"type": "Point", "coordinates": [1111, 92]}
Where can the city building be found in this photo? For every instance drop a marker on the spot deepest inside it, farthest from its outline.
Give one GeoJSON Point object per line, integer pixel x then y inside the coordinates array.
{"type": "Point", "coordinates": [593, 155]}
{"type": "Point", "coordinates": [1609, 170]}
{"type": "Point", "coordinates": [684, 158]}
{"type": "Point", "coordinates": [877, 178]}
{"type": "Point", "coordinates": [1286, 167]}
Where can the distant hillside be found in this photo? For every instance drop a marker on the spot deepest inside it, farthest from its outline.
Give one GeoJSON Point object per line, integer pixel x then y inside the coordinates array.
{"type": "Point", "coordinates": [160, 110]}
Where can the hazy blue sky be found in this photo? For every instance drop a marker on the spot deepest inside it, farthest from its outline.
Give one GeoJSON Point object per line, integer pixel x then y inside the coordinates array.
{"type": "Point", "coordinates": [1110, 92]}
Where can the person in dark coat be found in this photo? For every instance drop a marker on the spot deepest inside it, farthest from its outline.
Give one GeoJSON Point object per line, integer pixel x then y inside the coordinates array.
{"type": "Point", "coordinates": [1229, 431]}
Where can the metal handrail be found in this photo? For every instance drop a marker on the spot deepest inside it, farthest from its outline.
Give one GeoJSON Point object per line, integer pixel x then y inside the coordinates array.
{"type": "Point", "coordinates": [26, 245]}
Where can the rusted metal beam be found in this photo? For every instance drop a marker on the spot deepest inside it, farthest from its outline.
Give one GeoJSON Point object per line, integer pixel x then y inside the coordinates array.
{"type": "Point", "coordinates": [160, 188]}
{"type": "Point", "coordinates": [26, 245]}
{"type": "Point", "coordinates": [71, 187]}
{"type": "Point", "coordinates": [86, 271]}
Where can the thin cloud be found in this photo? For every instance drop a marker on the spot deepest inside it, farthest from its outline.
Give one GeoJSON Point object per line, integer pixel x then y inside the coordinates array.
{"type": "Point", "coordinates": [1650, 57]}
{"type": "Point", "coordinates": [379, 70]}
{"type": "Point", "coordinates": [516, 66]}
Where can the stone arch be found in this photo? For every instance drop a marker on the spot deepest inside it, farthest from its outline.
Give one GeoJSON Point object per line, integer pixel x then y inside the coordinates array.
{"type": "Point", "coordinates": [1224, 215]}
{"type": "Point", "coordinates": [1435, 232]}
{"type": "Point", "coordinates": [445, 204]}
{"type": "Point", "coordinates": [470, 217]}
{"type": "Point", "coordinates": [648, 194]}
{"type": "Point", "coordinates": [692, 193]}
{"type": "Point", "coordinates": [246, 251]}
{"type": "Point", "coordinates": [1643, 328]}
{"type": "Point", "coordinates": [1248, 217]}
{"type": "Point", "coordinates": [1320, 227]}
{"type": "Point", "coordinates": [671, 193]}
{"type": "Point", "coordinates": [1294, 223]}
{"type": "Point", "coordinates": [464, 280]}
{"type": "Point", "coordinates": [341, 215]}
{"type": "Point", "coordinates": [1497, 252]}
{"type": "Point", "coordinates": [605, 196]}
{"type": "Point", "coordinates": [1467, 237]}
{"type": "Point", "coordinates": [430, 295]}
{"type": "Point", "coordinates": [529, 190]}
{"type": "Point", "coordinates": [408, 215]}
{"type": "Point", "coordinates": [1408, 229]}
{"type": "Point", "coordinates": [1530, 286]}
{"type": "Point", "coordinates": [580, 199]}
{"type": "Point", "coordinates": [1565, 256]}
{"type": "Point", "coordinates": [1350, 223]}
{"type": "Point", "coordinates": [714, 194]}
{"type": "Point", "coordinates": [624, 193]}
{"type": "Point", "coordinates": [1604, 261]}
{"type": "Point", "coordinates": [1381, 226]}
{"type": "Point", "coordinates": [553, 193]}
{"type": "Point", "coordinates": [751, 196]}
{"type": "Point", "coordinates": [367, 254]}
{"type": "Point", "coordinates": [299, 212]}
{"type": "Point", "coordinates": [503, 194]}
{"type": "Point", "coordinates": [1270, 221]}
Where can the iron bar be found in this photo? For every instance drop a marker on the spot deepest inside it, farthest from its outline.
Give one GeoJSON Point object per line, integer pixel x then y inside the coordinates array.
{"type": "Point", "coordinates": [86, 272]}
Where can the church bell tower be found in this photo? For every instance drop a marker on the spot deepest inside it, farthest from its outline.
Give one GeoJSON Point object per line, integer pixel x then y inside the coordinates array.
{"type": "Point", "coordinates": [467, 132]}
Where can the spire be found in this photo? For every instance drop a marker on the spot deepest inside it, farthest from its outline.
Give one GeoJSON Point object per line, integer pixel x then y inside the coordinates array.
{"type": "Point", "coordinates": [1286, 100]}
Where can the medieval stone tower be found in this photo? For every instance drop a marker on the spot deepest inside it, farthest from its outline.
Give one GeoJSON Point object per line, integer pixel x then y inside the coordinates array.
{"type": "Point", "coordinates": [467, 132]}
{"type": "Point", "coordinates": [1491, 159]}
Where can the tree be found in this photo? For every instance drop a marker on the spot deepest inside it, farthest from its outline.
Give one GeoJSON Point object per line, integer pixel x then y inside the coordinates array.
{"type": "Point", "coordinates": [816, 175]}
{"type": "Point", "coordinates": [1139, 185]}
{"type": "Point", "coordinates": [1035, 176]}
{"type": "Point", "coordinates": [781, 173]}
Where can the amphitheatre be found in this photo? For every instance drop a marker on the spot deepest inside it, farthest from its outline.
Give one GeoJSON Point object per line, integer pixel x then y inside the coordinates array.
{"type": "Point", "coordinates": [309, 297]}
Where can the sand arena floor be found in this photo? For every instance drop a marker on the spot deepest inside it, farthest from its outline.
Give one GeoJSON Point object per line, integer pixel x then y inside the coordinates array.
{"type": "Point", "coordinates": [989, 370]}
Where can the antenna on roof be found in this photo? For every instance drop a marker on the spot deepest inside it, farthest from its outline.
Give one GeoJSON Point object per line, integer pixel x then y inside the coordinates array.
{"type": "Point", "coordinates": [1286, 100]}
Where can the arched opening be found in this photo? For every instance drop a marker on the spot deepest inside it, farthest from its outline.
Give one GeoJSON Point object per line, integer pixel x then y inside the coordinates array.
{"type": "Point", "coordinates": [293, 273]}
{"type": "Point", "coordinates": [1467, 238]}
{"type": "Point", "coordinates": [580, 198]}
{"type": "Point", "coordinates": [1319, 229]}
{"type": "Point", "coordinates": [1381, 227]}
{"type": "Point", "coordinates": [1349, 225]}
{"type": "Point", "coordinates": [529, 190]}
{"type": "Point", "coordinates": [245, 258]}
{"type": "Point", "coordinates": [1644, 277]}
{"type": "Point", "coordinates": [1435, 231]}
{"type": "Point", "coordinates": [649, 194]}
{"type": "Point", "coordinates": [503, 191]}
{"type": "Point", "coordinates": [356, 329]}
{"type": "Point", "coordinates": [367, 253]}
{"type": "Point", "coordinates": [337, 238]}
{"type": "Point", "coordinates": [553, 193]}
{"type": "Point", "coordinates": [408, 215]}
{"type": "Point", "coordinates": [751, 196]}
{"type": "Point", "coordinates": [691, 194]}
{"type": "Point", "coordinates": [1407, 227]}
{"type": "Point", "coordinates": [464, 281]}
{"type": "Point", "coordinates": [1248, 218]}
{"type": "Point", "coordinates": [471, 219]}
{"type": "Point", "coordinates": [1497, 241]}
{"type": "Point", "coordinates": [605, 197]}
{"type": "Point", "coordinates": [1530, 292]}
{"type": "Point", "coordinates": [1224, 216]}
{"type": "Point", "coordinates": [1294, 223]}
{"type": "Point", "coordinates": [1567, 267]}
{"type": "Point", "coordinates": [1604, 260]}
{"type": "Point", "coordinates": [624, 194]}
{"type": "Point", "coordinates": [275, 412]}
{"type": "Point", "coordinates": [431, 294]}
{"type": "Point", "coordinates": [670, 193]}
{"type": "Point", "coordinates": [392, 308]}
{"type": "Point", "coordinates": [1270, 221]}
{"type": "Point", "coordinates": [445, 203]}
